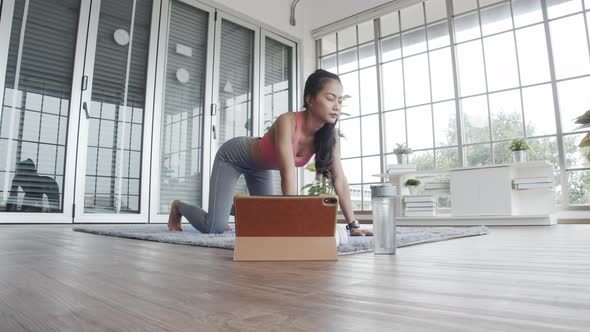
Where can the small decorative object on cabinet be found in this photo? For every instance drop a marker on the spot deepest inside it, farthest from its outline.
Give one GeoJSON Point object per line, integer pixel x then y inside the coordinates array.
{"type": "Point", "coordinates": [419, 206]}
{"type": "Point", "coordinates": [584, 121]}
{"type": "Point", "coordinates": [402, 152]}
{"type": "Point", "coordinates": [519, 147]}
{"type": "Point", "coordinates": [413, 185]}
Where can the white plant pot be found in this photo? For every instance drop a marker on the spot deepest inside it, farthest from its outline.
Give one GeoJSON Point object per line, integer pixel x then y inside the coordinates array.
{"type": "Point", "coordinates": [413, 190]}
{"type": "Point", "coordinates": [403, 158]}
{"type": "Point", "coordinates": [519, 156]}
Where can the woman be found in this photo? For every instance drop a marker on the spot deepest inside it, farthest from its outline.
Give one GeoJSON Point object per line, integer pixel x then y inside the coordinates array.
{"type": "Point", "coordinates": [289, 143]}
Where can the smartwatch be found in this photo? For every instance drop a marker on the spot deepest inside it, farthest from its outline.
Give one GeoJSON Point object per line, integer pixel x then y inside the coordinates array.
{"type": "Point", "coordinates": [353, 224]}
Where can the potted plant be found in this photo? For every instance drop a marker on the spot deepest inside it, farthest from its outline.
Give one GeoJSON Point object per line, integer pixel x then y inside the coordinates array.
{"type": "Point", "coordinates": [412, 185]}
{"type": "Point", "coordinates": [402, 152]}
{"type": "Point", "coordinates": [519, 147]}
{"type": "Point", "coordinates": [584, 122]}
{"type": "Point", "coordinates": [319, 186]}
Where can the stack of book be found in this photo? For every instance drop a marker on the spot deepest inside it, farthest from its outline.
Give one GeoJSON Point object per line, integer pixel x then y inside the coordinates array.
{"type": "Point", "coordinates": [543, 182]}
{"type": "Point", "coordinates": [419, 206]}
{"type": "Point", "coordinates": [396, 167]}
{"type": "Point", "coordinates": [437, 185]}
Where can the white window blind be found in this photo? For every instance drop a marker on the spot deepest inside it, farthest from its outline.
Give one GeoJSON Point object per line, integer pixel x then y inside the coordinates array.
{"type": "Point", "coordinates": [34, 116]}
{"type": "Point", "coordinates": [182, 115]}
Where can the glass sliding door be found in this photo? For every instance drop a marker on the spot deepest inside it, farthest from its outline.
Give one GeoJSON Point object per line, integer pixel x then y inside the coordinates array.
{"type": "Point", "coordinates": [110, 110]}
{"type": "Point", "coordinates": [184, 73]}
{"type": "Point", "coordinates": [235, 83]}
{"type": "Point", "coordinates": [38, 41]}
{"type": "Point", "coordinates": [113, 160]}
{"type": "Point", "coordinates": [277, 90]}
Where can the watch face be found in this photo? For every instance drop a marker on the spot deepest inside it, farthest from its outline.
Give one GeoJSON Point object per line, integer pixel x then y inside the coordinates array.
{"type": "Point", "coordinates": [353, 224]}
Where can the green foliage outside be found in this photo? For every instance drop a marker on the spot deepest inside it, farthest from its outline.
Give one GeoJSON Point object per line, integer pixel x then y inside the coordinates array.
{"type": "Point", "coordinates": [479, 151]}
{"type": "Point", "coordinates": [509, 126]}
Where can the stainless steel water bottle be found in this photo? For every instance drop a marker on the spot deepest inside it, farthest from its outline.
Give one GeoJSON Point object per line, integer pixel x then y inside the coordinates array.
{"type": "Point", "coordinates": [383, 202]}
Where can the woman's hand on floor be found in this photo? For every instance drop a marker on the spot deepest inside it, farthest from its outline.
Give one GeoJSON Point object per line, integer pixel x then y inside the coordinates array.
{"type": "Point", "coordinates": [360, 232]}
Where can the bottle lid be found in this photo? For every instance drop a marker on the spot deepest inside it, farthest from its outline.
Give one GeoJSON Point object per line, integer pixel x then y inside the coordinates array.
{"type": "Point", "coordinates": [383, 190]}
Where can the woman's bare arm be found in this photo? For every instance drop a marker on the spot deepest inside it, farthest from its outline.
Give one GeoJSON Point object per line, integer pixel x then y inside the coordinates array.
{"type": "Point", "coordinates": [341, 184]}
{"type": "Point", "coordinates": [343, 190]}
{"type": "Point", "coordinates": [284, 130]}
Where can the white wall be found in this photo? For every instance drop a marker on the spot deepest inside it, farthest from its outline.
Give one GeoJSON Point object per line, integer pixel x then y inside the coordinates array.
{"type": "Point", "coordinates": [318, 13]}
{"type": "Point", "coordinates": [271, 12]}
{"type": "Point", "coordinates": [324, 12]}
{"type": "Point", "coordinates": [309, 15]}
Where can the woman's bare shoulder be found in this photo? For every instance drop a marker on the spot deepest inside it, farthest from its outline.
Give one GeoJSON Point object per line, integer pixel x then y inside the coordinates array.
{"type": "Point", "coordinates": [286, 119]}
{"type": "Point", "coordinates": [290, 116]}
{"type": "Point", "coordinates": [283, 121]}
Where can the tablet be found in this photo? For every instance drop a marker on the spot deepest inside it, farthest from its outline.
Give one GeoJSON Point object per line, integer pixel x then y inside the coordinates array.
{"type": "Point", "coordinates": [282, 228]}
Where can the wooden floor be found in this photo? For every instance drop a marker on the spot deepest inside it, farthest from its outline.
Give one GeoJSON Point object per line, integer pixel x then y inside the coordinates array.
{"type": "Point", "coordinates": [534, 278]}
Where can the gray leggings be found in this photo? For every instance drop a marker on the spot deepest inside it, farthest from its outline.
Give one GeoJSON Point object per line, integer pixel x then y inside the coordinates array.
{"type": "Point", "coordinates": [231, 161]}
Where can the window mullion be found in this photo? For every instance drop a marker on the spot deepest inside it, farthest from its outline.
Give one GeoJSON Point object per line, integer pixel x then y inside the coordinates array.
{"type": "Point", "coordinates": [524, 133]}
{"type": "Point", "coordinates": [485, 75]}
{"type": "Point", "coordinates": [458, 116]}
{"type": "Point", "coordinates": [430, 88]}
{"type": "Point", "coordinates": [401, 51]}
{"type": "Point", "coordinates": [559, 132]}
{"type": "Point", "coordinates": [380, 110]}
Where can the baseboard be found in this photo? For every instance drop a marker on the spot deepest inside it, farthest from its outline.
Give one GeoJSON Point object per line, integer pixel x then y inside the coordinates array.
{"type": "Point", "coordinates": [574, 221]}
{"type": "Point", "coordinates": [533, 220]}
{"type": "Point", "coordinates": [365, 217]}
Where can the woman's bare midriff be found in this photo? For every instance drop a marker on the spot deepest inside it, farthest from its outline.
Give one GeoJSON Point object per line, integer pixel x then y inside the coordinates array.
{"type": "Point", "coordinates": [256, 154]}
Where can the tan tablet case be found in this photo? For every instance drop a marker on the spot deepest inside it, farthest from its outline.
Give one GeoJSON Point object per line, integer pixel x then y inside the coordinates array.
{"type": "Point", "coordinates": [285, 228]}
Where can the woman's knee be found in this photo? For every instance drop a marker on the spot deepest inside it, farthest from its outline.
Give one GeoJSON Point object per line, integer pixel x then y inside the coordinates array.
{"type": "Point", "coordinates": [176, 203]}
{"type": "Point", "coordinates": [217, 228]}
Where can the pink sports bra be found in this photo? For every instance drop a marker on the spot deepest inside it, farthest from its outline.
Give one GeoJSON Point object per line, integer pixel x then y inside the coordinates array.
{"type": "Point", "coordinates": [269, 151]}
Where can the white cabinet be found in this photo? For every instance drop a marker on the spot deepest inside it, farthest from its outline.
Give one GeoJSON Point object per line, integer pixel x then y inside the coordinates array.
{"type": "Point", "coordinates": [488, 191]}
{"type": "Point", "coordinates": [465, 193]}
{"type": "Point", "coordinates": [507, 194]}
{"type": "Point", "coordinates": [481, 192]}
{"type": "Point", "coordinates": [495, 192]}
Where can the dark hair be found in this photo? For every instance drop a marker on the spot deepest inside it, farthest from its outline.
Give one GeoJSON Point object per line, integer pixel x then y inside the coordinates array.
{"type": "Point", "coordinates": [324, 139]}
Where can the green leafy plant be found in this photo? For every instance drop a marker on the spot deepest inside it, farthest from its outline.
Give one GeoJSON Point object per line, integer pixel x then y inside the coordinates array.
{"type": "Point", "coordinates": [518, 144]}
{"type": "Point", "coordinates": [319, 186]}
{"type": "Point", "coordinates": [402, 149]}
{"type": "Point", "coordinates": [412, 182]}
{"type": "Point", "coordinates": [584, 121]}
